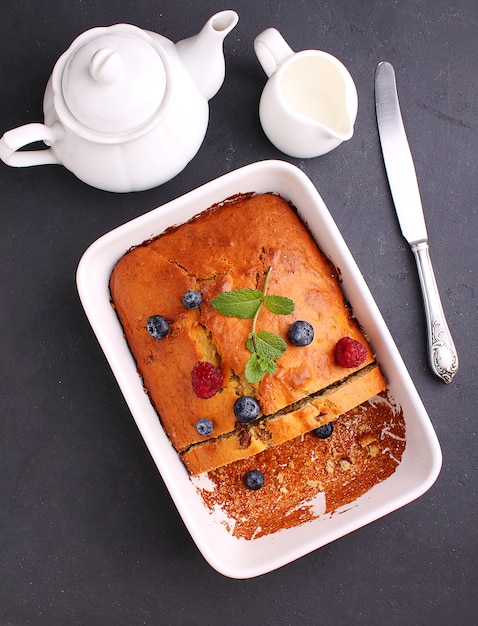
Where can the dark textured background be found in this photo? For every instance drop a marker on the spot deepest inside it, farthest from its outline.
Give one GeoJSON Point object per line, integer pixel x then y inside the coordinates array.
{"type": "Point", "coordinates": [88, 533]}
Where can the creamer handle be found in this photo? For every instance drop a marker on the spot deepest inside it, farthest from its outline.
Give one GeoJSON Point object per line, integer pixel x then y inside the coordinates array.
{"type": "Point", "coordinates": [13, 140]}
{"type": "Point", "coordinates": [271, 49]}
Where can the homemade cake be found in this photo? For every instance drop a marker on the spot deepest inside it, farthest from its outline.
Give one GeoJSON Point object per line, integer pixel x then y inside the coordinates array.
{"type": "Point", "coordinates": [195, 356]}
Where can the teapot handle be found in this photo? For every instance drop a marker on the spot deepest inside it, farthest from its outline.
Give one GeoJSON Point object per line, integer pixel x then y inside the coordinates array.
{"type": "Point", "coordinates": [271, 49]}
{"type": "Point", "coordinates": [15, 139]}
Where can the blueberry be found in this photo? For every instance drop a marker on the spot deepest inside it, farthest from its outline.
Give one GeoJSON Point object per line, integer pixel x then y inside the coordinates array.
{"type": "Point", "coordinates": [254, 479]}
{"type": "Point", "coordinates": [204, 426]}
{"type": "Point", "coordinates": [157, 326]}
{"type": "Point", "coordinates": [246, 409]}
{"type": "Point", "coordinates": [324, 431]}
{"type": "Point", "coordinates": [300, 333]}
{"type": "Point", "coordinates": [192, 299]}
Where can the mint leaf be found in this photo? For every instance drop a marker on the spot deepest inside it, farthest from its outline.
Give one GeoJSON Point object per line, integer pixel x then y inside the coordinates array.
{"type": "Point", "coordinates": [253, 370]}
{"type": "Point", "coordinates": [257, 366]}
{"type": "Point", "coordinates": [280, 305]}
{"type": "Point", "coordinates": [268, 345]}
{"type": "Point", "coordinates": [267, 365]}
{"type": "Point", "coordinates": [241, 303]}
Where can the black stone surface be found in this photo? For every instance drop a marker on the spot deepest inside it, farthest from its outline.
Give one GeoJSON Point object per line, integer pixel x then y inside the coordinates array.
{"type": "Point", "coordinates": [88, 532]}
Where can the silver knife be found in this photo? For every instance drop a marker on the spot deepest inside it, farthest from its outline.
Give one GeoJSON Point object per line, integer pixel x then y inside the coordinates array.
{"type": "Point", "coordinates": [406, 198]}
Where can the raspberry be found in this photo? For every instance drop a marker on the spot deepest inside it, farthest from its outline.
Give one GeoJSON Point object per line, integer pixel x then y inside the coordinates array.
{"type": "Point", "coordinates": [349, 353]}
{"type": "Point", "coordinates": [206, 379]}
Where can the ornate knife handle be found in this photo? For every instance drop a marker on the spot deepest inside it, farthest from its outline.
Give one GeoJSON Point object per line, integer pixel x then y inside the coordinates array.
{"type": "Point", "coordinates": [441, 349]}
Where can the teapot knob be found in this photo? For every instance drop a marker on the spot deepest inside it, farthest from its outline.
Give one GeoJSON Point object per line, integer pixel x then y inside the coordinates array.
{"type": "Point", "coordinates": [106, 66]}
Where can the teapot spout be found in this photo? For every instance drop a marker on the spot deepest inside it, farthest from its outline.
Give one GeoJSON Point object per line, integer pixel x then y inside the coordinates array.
{"type": "Point", "coordinates": [203, 55]}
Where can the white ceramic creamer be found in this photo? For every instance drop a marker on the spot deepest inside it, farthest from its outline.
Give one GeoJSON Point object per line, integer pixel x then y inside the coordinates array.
{"type": "Point", "coordinates": [126, 109]}
{"type": "Point", "coordinates": [309, 103]}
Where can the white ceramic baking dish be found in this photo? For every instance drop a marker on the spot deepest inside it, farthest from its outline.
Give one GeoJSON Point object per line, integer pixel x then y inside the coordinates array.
{"type": "Point", "coordinates": [240, 558]}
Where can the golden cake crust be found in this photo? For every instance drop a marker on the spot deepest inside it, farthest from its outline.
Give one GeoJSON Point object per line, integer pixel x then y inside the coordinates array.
{"type": "Point", "coordinates": [232, 247]}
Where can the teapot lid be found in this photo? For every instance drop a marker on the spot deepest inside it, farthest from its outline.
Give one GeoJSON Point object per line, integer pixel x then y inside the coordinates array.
{"type": "Point", "coordinates": [113, 82]}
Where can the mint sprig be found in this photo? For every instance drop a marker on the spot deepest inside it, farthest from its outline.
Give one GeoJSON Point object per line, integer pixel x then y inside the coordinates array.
{"type": "Point", "coordinates": [239, 303]}
{"type": "Point", "coordinates": [265, 347]}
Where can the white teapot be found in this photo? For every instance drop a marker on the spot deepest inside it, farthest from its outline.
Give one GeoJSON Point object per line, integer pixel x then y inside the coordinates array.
{"type": "Point", "coordinates": [126, 109]}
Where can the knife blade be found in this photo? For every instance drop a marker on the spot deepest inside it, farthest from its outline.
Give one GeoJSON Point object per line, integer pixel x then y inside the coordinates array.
{"type": "Point", "coordinates": [405, 193]}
